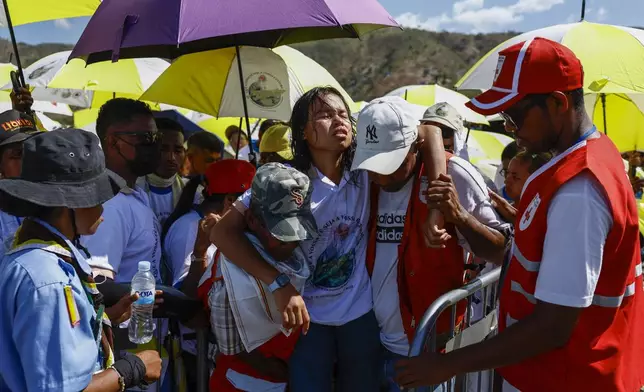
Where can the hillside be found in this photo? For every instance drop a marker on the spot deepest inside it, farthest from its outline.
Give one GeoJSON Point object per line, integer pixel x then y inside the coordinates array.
{"type": "Point", "coordinates": [370, 67]}
{"type": "Point", "coordinates": [29, 53]}
{"type": "Point", "coordinates": [392, 58]}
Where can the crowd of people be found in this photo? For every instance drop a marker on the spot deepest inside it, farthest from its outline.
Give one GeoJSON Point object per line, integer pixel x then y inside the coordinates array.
{"type": "Point", "coordinates": [313, 264]}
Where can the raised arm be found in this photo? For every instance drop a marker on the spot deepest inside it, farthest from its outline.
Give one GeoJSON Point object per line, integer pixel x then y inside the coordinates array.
{"type": "Point", "coordinates": [432, 151]}
{"type": "Point", "coordinates": [435, 164]}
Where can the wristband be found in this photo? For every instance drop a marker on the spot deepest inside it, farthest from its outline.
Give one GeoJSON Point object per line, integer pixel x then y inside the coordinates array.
{"type": "Point", "coordinates": [132, 369]}
{"type": "Point", "coordinates": [193, 258]}
{"type": "Point", "coordinates": [121, 379]}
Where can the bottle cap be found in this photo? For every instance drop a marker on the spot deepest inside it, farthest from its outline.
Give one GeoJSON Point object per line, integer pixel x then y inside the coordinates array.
{"type": "Point", "coordinates": [144, 265]}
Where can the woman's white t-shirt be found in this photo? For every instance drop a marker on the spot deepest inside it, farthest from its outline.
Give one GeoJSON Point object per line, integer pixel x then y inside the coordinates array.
{"type": "Point", "coordinates": [339, 290]}
{"type": "Point", "coordinates": [179, 243]}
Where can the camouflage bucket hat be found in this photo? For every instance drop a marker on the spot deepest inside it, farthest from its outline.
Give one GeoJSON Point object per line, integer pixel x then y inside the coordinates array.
{"type": "Point", "coordinates": [281, 196]}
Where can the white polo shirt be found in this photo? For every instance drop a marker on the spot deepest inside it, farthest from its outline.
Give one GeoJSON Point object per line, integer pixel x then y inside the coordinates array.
{"type": "Point", "coordinates": [129, 233]}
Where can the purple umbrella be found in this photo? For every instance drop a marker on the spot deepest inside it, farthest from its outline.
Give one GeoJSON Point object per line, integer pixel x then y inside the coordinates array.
{"type": "Point", "coordinates": [170, 28]}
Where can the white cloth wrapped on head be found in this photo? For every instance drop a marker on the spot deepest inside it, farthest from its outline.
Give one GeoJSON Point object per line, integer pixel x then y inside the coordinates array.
{"type": "Point", "coordinates": [256, 315]}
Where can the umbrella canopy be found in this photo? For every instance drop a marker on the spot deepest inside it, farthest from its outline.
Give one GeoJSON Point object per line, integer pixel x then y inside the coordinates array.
{"type": "Point", "coordinates": [483, 145]}
{"type": "Point", "coordinates": [75, 83]}
{"type": "Point", "coordinates": [612, 56]}
{"type": "Point", "coordinates": [39, 74]}
{"type": "Point", "coordinates": [32, 11]}
{"type": "Point", "coordinates": [171, 28]}
{"type": "Point", "coordinates": [130, 77]}
{"type": "Point", "coordinates": [85, 119]}
{"type": "Point", "coordinates": [209, 82]}
{"type": "Point", "coordinates": [218, 125]}
{"type": "Point", "coordinates": [45, 106]}
{"type": "Point", "coordinates": [484, 150]}
{"type": "Point", "coordinates": [624, 118]}
{"type": "Point", "coordinates": [47, 122]}
{"type": "Point", "coordinates": [428, 95]}
{"type": "Point", "coordinates": [187, 124]}
{"type": "Point", "coordinates": [40, 107]}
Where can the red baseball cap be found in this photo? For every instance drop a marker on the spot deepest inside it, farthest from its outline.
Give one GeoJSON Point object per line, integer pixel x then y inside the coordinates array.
{"type": "Point", "coordinates": [535, 66]}
{"type": "Point", "coordinates": [229, 176]}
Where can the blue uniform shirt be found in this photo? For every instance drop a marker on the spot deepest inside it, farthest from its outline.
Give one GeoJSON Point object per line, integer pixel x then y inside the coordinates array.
{"type": "Point", "coordinates": [40, 349]}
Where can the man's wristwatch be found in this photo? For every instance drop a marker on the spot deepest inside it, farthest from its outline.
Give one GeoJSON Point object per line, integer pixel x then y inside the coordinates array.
{"type": "Point", "coordinates": [281, 281]}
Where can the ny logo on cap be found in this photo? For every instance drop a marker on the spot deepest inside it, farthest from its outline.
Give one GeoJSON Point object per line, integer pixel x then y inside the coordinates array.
{"type": "Point", "coordinates": [371, 134]}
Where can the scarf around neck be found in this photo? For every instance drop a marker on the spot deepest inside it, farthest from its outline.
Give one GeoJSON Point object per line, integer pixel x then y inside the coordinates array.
{"type": "Point", "coordinates": [175, 182]}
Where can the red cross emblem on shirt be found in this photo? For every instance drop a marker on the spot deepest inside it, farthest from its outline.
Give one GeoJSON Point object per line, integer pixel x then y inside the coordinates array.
{"type": "Point", "coordinates": [527, 215]}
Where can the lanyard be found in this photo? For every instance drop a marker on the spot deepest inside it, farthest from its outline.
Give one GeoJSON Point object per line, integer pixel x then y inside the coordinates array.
{"type": "Point", "coordinates": [79, 258]}
{"type": "Point", "coordinates": [90, 288]}
{"type": "Point", "coordinates": [586, 134]}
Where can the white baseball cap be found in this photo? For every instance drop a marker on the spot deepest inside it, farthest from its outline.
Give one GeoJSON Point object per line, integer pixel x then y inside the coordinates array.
{"type": "Point", "coordinates": [387, 128]}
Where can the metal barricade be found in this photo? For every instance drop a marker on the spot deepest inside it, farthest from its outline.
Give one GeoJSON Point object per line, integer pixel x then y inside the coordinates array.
{"type": "Point", "coordinates": [203, 373]}
{"type": "Point", "coordinates": [483, 289]}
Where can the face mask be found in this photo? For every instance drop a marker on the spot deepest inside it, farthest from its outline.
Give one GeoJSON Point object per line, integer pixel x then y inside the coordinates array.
{"type": "Point", "coordinates": [146, 159]}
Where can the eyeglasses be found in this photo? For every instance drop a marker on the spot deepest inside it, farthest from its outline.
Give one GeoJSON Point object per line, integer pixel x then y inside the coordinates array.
{"type": "Point", "coordinates": [144, 137]}
{"type": "Point", "coordinates": [515, 116]}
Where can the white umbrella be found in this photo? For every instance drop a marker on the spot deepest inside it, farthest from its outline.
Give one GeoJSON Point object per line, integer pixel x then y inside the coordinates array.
{"type": "Point", "coordinates": [484, 150]}
{"type": "Point", "coordinates": [42, 107]}
{"type": "Point", "coordinates": [39, 74]}
{"type": "Point", "coordinates": [428, 95]}
{"type": "Point", "coordinates": [55, 80]}
{"type": "Point", "coordinates": [47, 122]}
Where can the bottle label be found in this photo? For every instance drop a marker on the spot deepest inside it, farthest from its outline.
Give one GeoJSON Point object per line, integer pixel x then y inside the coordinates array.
{"type": "Point", "coordinates": [145, 297]}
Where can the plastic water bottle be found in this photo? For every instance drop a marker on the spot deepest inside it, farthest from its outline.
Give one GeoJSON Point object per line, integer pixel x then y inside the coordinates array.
{"type": "Point", "coordinates": [141, 326]}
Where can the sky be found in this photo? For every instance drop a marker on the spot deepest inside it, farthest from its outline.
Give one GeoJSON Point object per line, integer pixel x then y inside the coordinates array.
{"type": "Point", "coordinates": [467, 16]}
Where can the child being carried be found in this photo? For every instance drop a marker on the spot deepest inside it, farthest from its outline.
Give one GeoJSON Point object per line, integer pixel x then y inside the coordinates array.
{"type": "Point", "coordinates": [253, 347]}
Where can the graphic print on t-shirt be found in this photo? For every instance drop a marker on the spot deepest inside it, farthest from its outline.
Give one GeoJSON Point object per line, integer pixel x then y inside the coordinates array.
{"type": "Point", "coordinates": [336, 264]}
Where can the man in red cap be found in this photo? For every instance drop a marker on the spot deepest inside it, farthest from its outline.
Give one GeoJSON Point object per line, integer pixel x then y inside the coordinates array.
{"type": "Point", "coordinates": [571, 302]}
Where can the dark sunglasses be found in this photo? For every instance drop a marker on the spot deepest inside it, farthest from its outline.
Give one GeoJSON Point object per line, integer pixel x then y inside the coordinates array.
{"type": "Point", "coordinates": [515, 116]}
{"type": "Point", "coordinates": [144, 137]}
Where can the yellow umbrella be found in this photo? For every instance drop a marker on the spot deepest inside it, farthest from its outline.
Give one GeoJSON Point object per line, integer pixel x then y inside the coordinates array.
{"type": "Point", "coordinates": [53, 79]}
{"type": "Point", "coordinates": [484, 150]}
{"type": "Point", "coordinates": [613, 57]}
{"type": "Point", "coordinates": [130, 77]}
{"type": "Point", "coordinates": [428, 95]}
{"type": "Point", "coordinates": [32, 11]}
{"type": "Point", "coordinates": [624, 119]}
{"type": "Point", "coordinates": [209, 82]}
{"type": "Point", "coordinates": [218, 125]}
